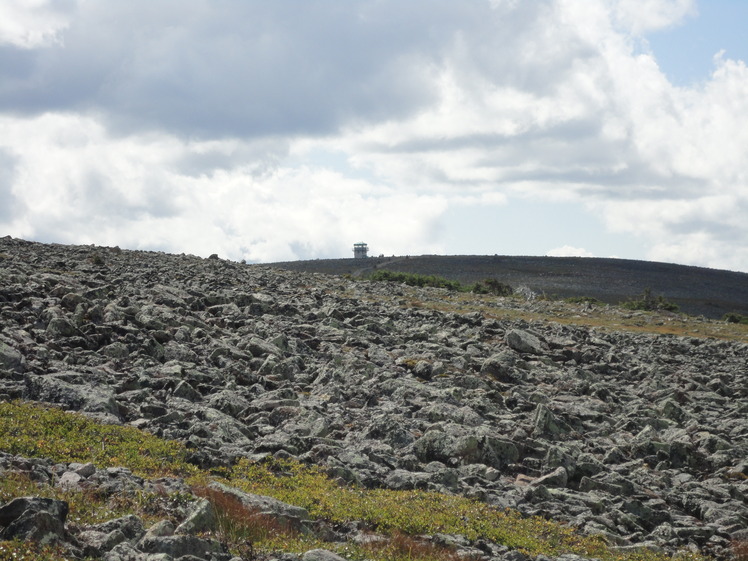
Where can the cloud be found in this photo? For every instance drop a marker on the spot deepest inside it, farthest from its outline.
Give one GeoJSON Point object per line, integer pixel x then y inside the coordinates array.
{"type": "Point", "coordinates": [607, 130]}
{"type": "Point", "coordinates": [74, 183]}
{"type": "Point", "coordinates": [270, 131]}
{"type": "Point", "coordinates": [29, 24]}
{"type": "Point", "coordinates": [640, 16]}
{"type": "Point", "coordinates": [569, 251]}
{"type": "Point", "coordinates": [236, 69]}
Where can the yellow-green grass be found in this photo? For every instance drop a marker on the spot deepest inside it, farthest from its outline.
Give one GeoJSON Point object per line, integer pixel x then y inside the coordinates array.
{"type": "Point", "coordinates": [397, 517]}
{"type": "Point", "coordinates": [47, 432]}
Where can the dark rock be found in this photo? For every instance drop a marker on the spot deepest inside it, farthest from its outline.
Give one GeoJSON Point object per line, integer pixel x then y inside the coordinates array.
{"type": "Point", "coordinates": [34, 519]}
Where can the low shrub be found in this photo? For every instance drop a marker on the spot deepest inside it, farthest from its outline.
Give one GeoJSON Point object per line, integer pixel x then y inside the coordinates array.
{"type": "Point", "coordinates": [402, 547]}
{"type": "Point", "coordinates": [584, 300]}
{"type": "Point", "coordinates": [732, 317]}
{"type": "Point", "coordinates": [492, 286]}
{"type": "Point", "coordinates": [413, 279]}
{"type": "Point", "coordinates": [241, 527]}
{"type": "Point", "coordinates": [650, 304]}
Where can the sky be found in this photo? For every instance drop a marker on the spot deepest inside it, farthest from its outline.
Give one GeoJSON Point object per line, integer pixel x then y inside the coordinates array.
{"type": "Point", "coordinates": [276, 131]}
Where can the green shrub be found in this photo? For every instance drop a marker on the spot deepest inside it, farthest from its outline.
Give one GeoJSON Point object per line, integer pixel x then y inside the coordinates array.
{"type": "Point", "coordinates": [413, 279]}
{"type": "Point", "coordinates": [732, 317]}
{"type": "Point", "coordinates": [492, 286]}
{"type": "Point", "coordinates": [649, 303]}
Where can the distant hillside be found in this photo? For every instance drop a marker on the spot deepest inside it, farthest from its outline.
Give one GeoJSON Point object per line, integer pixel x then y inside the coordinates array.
{"type": "Point", "coordinates": [697, 290]}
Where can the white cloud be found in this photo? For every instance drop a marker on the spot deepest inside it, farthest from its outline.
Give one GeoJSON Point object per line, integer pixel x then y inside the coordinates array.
{"type": "Point", "coordinates": [569, 251]}
{"type": "Point", "coordinates": [31, 24]}
{"type": "Point", "coordinates": [641, 16]}
{"type": "Point", "coordinates": [77, 184]}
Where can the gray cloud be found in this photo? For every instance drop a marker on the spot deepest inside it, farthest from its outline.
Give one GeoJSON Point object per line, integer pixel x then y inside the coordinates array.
{"type": "Point", "coordinates": [243, 69]}
{"type": "Point", "coordinates": [266, 68]}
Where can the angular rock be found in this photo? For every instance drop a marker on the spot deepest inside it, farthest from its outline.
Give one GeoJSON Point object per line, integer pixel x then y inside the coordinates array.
{"type": "Point", "coordinates": [524, 342]}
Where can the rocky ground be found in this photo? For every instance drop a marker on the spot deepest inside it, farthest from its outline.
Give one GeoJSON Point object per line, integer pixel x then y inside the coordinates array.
{"type": "Point", "coordinates": [642, 438]}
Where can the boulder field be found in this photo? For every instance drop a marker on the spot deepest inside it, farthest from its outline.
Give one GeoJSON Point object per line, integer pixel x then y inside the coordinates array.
{"type": "Point", "coordinates": [641, 438]}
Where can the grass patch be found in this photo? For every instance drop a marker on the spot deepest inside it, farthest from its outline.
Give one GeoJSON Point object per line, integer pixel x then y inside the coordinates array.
{"type": "Point", "coordinates": [86, 506]}
{"type": "Point", "coordinates": [48, 432]}
{"type": "Point", "coordinates": [607, 317]}
{"type": "Point", "coordinates": [89, 506]}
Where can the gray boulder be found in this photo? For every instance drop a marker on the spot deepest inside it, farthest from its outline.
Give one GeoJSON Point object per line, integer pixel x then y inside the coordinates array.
{"type": "Point", "coordinates": [524, 342]}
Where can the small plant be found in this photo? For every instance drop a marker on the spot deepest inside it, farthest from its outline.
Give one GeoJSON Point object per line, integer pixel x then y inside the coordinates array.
{"type": "Point", "coordinates": [650, 304]}
{"type": "Point", "coordinates": [96, 259]}
{"type": "Point", "coordinates": [238, 525]}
